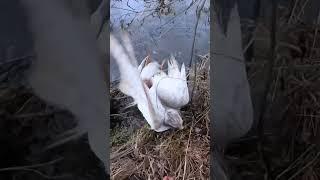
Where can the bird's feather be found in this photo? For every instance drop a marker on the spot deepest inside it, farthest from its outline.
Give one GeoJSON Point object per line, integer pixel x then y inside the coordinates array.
{"type": "Point", "coordinates": [183, 72]}
{"type": "Point", "coordinates": [149, 71]}
{"type": "Point", "coordinates": [131, 84]}
{"type": "Point", "coordinates": [173, 68]}
{"type": "Point", "coordinates": [173, 89]}
{"type": "Point", "coordinates": [140, 67]}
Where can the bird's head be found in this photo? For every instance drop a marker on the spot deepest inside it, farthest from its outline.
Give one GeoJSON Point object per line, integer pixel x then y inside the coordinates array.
{"type": "Point", "coordinates": [173, 119]}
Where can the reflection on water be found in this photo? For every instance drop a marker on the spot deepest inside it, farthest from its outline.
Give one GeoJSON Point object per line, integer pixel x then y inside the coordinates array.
{"type": "Point", "coordinates": [161, 27]}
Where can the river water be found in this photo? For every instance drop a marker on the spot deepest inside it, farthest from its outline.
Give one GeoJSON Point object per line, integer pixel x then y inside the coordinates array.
{"type": "Point", "coordinates": [161, 33]}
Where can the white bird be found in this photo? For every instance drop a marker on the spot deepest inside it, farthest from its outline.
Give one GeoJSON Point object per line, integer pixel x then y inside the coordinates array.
{"type": "Point", "coordinates": [168, 92]}
{"type": "Point", "coordinates": [147, 70]}
{"type": "Point", "coordinates": [142, 84]}
{"type": "Point", "coordinates": [173, 89]}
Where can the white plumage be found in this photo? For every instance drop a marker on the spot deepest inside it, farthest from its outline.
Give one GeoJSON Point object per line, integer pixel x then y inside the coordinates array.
{"type": "Point", "coordinates": [158, 96]}
{"type": "Point", "coordinates": [173, 89]}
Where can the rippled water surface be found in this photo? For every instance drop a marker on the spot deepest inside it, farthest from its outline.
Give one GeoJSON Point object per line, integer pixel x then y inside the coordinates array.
{"type": "Point", "coordinates": [161, 28]}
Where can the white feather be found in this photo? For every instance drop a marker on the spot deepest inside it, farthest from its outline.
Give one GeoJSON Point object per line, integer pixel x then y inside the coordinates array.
{"type": "Point", "coordinates": [150, 70]}
{"type": "Point", "coordinates": [173, 88]}
{"type": "Point", "coordinates": [132, 85]}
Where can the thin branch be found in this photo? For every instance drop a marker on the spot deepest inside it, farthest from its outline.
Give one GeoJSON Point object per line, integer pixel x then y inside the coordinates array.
{"type": "Point", "coordinates": [180, 13]}
{"type": "Point", "coordinates": [37, 114]}
{"type": "Point", "coordinates": [129, 5]}
{"type": "Point", "coordinates": [186, 155]}
{"type": "Point", "coordinates": [293, 10]}
{"type": "Point", "coordinates": [315, 35]}
{"type": "Point", "coordinates": [195, 31]}
{"type": "Point", "coordinates": [305, 167]}
{"type": "Point", "coordinates": [293, 164]}
{"type": "Point", "coordinates": [114, 7]}
{"type": "Point", "coordinates": [29, 168]}
{"type": "Point", "coordinates": [267, 87]}
{"type": "Point", "coordinates": [302, 8]}
{"type": "Point", "coordinates": [32, 166]}
{"type": "Point", "coordinates": [21, 58]}
{"type": "Point", "coordinates": [192, 49]}
{"type": "Point", "coordinates": [44, 175]}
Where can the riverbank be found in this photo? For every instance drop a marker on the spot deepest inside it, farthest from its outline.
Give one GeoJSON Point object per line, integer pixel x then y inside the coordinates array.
{"type": "Point", "coordinates": [139, 153]}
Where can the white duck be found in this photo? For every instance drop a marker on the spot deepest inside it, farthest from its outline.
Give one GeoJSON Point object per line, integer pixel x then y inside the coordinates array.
{"type": "Point", "coordinates": [142, 83]}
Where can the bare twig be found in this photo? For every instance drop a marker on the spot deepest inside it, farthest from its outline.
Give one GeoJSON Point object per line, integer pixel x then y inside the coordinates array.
{"type": "Point", "coordinates": [315, 35]}
{"type": "Point", "coordinates": [37, 114]}
{"type": "Point", "coordinates": [302, 8]}
{"type": "Point", "coordinates": [114, 7]}
{"type": "Point", "coordinates": [8, 61]}
{"type": "Point", "coordinates": [59, 142]}
{"type": "Point", "coordinates": [32, 166]}
{"type": "Point", "coordinates": [276, 85]}
{"type": "Point", "coordinates": [192, 48]}
{"type": "Point", "coordinates": [29, 168]}
{"type": "Point", "coordinates": [199, 9]}
{"type": "Point", "coordinates": [177, 15]}
{"type": "Point", "coordinates": [186, 155]}
{"type": "Point", "coordinates": [129, 5]}
{"type": "Point", "coordinates": [44, 175]}
{"type": "Point", "coordinates": [305, 167]}
{"type": "Point", "coordinates": [293, 164]}
{"type": "Point", "coordinates": [293, 10]}
{"type": "Point", "coordinates": [267, 87]}
{"type": "Point", "coordinates": [249, 44]}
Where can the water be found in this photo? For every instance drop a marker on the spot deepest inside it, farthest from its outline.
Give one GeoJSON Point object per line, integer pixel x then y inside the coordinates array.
{"type": "Point", "coordinates": [161, 34]}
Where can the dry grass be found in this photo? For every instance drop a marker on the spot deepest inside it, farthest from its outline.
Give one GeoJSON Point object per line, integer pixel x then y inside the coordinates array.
{"type": "Point", "coordinates": [28, 124]}
{"type": "Point", "coordinates": [292, 146]}
{"type": "Point", "coordinates": [183, 154]}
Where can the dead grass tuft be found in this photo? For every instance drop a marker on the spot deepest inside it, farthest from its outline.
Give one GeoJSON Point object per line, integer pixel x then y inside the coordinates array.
{"type": "Point", "coordinates": [183, 154]}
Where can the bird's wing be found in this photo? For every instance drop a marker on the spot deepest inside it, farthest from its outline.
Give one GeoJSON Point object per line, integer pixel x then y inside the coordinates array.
{"type": "Point", "coordinates": [173, 92]}
{"type": "Point", "coordinates": [150, 70]}
{"type": "Point", "coordinates": [131, 84]}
